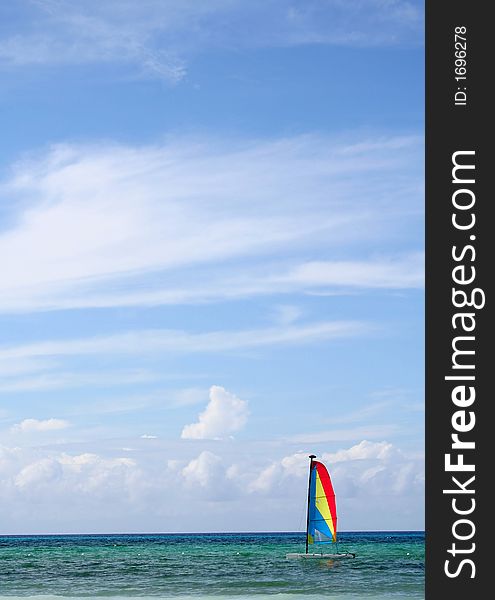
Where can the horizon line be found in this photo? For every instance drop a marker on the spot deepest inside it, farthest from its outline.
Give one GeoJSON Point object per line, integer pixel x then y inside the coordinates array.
{"type": "Point", "coordinates": [137, 533]}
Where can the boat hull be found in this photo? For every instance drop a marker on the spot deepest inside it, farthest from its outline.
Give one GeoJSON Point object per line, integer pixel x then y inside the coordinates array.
{"type": "Point", "coordinates": [336, 555]}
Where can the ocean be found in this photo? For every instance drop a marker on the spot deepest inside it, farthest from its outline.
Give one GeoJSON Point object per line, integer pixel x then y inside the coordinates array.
{"type": "Point", "coordinates": [209, 566]}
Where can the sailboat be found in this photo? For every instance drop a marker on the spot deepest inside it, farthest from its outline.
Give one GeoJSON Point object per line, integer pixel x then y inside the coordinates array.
{"type": "Point", "coordinates": [321, 520]}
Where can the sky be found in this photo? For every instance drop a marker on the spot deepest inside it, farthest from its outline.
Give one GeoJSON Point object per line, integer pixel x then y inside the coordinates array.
{"type": "Point", "coordinates": [211, 246]}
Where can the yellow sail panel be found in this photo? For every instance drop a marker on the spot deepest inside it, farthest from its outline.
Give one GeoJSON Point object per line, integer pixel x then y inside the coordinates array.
{"type": "Point", "coordinates": [322, 507]}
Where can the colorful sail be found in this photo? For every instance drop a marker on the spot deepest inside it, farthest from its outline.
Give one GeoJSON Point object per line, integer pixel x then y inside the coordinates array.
{"type": "Point", "coordinates": [322, 516]}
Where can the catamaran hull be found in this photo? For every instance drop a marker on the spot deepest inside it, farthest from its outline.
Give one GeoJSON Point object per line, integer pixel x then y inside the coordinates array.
{"type": "Point", "coordinates": [337, 555]}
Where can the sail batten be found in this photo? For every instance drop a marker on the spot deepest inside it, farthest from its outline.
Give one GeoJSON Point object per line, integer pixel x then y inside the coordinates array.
{"type": "Point", "coordinates": [322, 510]}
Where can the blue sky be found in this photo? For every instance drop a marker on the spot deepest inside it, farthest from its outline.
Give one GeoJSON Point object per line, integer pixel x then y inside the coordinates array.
{"type": "Point", "coordinates": [211, 231]}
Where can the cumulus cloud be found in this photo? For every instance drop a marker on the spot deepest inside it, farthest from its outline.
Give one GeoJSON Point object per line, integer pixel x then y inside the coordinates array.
{"type": "Point", "coordinates": [36, 425]}
{"type": "Point", "coordinates": [373, 482]}
{"type": "Point", "coordinates": [44, 471]}
{"type": "Point", "coordinates": [362, 451]}
{"type": "Point", "coordinates": [362, 469]}
{"type": "Point", "coordinates": [264, 481]}
{"type": "Point", "coordinates": [86, 473]}
{"type": "Point", "coordinates": [274, 476]}
{"type": "Point", "coordinates": [224, 414]}
{"type": "Point", "coordinates": [10, 458]}
{"type": "Point", "coordinates": [204, 469]}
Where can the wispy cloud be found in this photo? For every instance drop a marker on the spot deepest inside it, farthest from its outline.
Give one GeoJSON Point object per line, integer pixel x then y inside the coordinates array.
{"type": "Point", "coordinates": [150, 341]}
{"type": "Point", "coordinates": [344, 435]}
{"type": "Point", "coordinates": [64, 33]}
{"type": "Point", "coordinates": [62, 380]}
{"type": "Point", "coordinates": [16, 367]}
{"type": "Point", "coordinates": [155, 37]}
{"type": "Point", "coordinates": [102, 226]}
{"type": "Point", "coordinates": [403, 272]}
{"type": "Point", "coordinates": [362, 414]}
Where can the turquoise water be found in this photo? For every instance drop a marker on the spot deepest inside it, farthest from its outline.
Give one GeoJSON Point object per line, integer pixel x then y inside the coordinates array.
{"type": "Point", "coordinates": [240, 566]}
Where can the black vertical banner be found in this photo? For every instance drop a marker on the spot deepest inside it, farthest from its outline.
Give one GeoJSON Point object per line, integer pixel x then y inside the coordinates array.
{"type": "Point", "coordinates": [459, 265]}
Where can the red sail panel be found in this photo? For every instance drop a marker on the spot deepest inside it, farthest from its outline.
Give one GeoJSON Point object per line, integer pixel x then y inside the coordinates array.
{"type": "Point", "coordinates": [327, 497]}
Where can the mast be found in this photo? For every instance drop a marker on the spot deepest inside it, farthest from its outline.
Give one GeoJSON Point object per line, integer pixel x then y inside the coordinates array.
{"type": "Point", "coordinates": [311, 458]}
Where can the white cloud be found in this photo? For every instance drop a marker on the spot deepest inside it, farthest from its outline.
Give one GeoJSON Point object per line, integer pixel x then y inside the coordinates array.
{"type": "Point", "coordinates": [152, 341]}
{"type": "Point", "coordinates": [36, 425]}
{"type": "Point", "coordinates": [224, 415]}
{"type": "Point", "coordinates": [381, 489]}
{"type": "Point", "coordinates": [85, 473]}
{"type": "Point", "coordinates": [59, 380]}
{"type": "Point", "coordinates": [44, 471]}
{"type": "Point", "coordinates": [295, 464]}
{"type": "Point", "coordinates": [403, 272]}
{"type": "Point", "coordinates": [366, 470]}
{"type": "Point", "coordinates": [343, 435]}
{"type": "Point", "coordinates": [265, 480]}
{"type": "Point", "coordinates": [274, 476]}
{"type": "Point", "coordinates": [204, 469]}
{"type": "Point", "coordinates": [22, 366]}
{"type": "Point", "coordinates": [73, 33]}
{"type": "Point", "coordinates": [153, 36]}
{"type": "Point", "coordinates": [362, 451]}
{"type": "Point", "coordinates": [96, 225]}
{"type": "Point", "coordinates": [10, 458]}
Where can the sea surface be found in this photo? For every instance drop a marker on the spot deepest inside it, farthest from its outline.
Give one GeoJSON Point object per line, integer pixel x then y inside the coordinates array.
{"type": "Point", "coordinates": [209, 566]}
